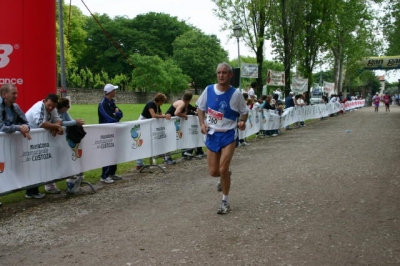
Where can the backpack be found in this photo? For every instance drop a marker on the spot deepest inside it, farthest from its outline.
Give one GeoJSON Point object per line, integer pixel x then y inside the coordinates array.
{"type": "Point", "coordinates": [75, 133]}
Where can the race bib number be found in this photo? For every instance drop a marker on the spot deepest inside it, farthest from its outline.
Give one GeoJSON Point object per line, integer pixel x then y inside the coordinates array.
{"type": "Point", "coordinates": [214, 117]}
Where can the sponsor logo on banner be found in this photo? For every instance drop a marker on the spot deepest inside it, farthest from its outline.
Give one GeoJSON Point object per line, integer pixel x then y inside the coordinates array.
{"type": "Point", "coordinates": [37, 152]}
{"type": "Point", "coordinates": [76, 152]}
{"type": "Point", "coordinates": [250, 121]}
{"type": "Point", "coordinates": [194, 130]}
{"type": "Point", "coordinates": [263, 119]}
{"type": "Point", "coordinates": [2, 167]}
{"type": "Point", "coordinates": [160, 133]}
{"type": "Point", "coordinates": [135, 134]}
{"type": "Point", "coordinates": [106, 141]}
{"type": "Point", "coordinates": [178, 129]}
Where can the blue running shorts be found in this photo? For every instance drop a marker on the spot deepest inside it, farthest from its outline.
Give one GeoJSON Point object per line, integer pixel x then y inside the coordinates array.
{"type": "Point", "coordinates": [219, 140]}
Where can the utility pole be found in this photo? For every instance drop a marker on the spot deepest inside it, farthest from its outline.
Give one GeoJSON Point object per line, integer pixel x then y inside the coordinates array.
{"type": "Point", "coordinates": [62, 58]}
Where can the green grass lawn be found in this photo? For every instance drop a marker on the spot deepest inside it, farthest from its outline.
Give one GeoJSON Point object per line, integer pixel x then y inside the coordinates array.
{"type": "Point", "coordinates": [88, 112]}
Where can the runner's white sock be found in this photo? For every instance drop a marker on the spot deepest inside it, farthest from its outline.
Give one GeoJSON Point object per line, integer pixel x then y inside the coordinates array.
{"type": "Point", "coordinates": [224, 197]}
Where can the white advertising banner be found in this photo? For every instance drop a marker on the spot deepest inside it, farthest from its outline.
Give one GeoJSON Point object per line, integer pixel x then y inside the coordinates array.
{"type": "Point", "coordinates": [329, 87]}
{"type": "Point", "coordinates": [299, 85]}
{"type": "Point", "coordinates": [275, 78]}
{"type": "Point", "coordinates": [249, 71]}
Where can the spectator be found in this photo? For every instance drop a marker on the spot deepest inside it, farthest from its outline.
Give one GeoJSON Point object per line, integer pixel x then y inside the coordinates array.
{"type": "Point", "coordinates": [73, 182]}
{"type": "Point", "coordinates": [12, 119]}
{"type": "Point", "coordinates": [278, 103]}
{"type": "Point", "coordinates": [279, 93]}
{"type": "Point", "coordinates": [325, 100]}
{"type": "Point", "coordinates": [289, 102]}
{"type": "Point", "coordinates": [108, 112]}
{"type": "Point", "coordinates": [242, 142]}
{"type": "Point", "coordinates": [43, 114]}
{"type": "Point", "coordinates": [334, 98]}
{"type": "Point", "coordinates": [224, 105]}
{"type": "Point", "coordinates": [153, 110]}
{"type": "Point", "coordinates": [199, 150]}
{"type": "Point", "coordinates": [251, 91]}
{"type": "Point", "coordinates": [268, 106]}
{"type": "Point", "coordinates": [179, 107]}
{"type": "Point", "coordinates": [300, 102]}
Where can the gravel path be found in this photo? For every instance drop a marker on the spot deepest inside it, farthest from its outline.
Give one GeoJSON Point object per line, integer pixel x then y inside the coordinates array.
{"type": "Point", "coordinates": [313, 196]}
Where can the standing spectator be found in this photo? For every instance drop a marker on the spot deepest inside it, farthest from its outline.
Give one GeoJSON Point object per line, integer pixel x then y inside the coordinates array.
{"type": "Point", "coordinates": [153, 110]}
{"type": "Point", "coordinates": [279, 93]}
{"type": "Point", "coordinates": [251, 91]}
{"type": "Point", "coordinates": [191, 110]}
{"type": "Point", "coordinates": [223, 105]}
{"type": "Point", "coordinates": [108, 112]}
{"type": "Point", "coordinates": [242, 142]}
{"type": "Point", "coordinates": [386, 100]}
{"type": "Point", "coordinates": [12, 119]}
{"type": "Point", "coordinates": [289, 102]}
{"type": "Point", "coordinates": [300, 102]}
{"type": "Point", "coordinates": [376, 100]}
{"type": "Point", "coordinates": [180, 108]}
{"type": "Point", "coordinates": [325, 100]}
{"type": "Point", "coordinates": [334, 98]}
{"type": "Point", "coordinates": [43, 114]}
{"type": "Point", "coordinates": [73, 182]}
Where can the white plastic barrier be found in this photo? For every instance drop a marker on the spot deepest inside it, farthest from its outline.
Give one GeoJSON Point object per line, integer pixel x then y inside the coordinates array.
{"type": "Point", "coordinates": [45, 158]}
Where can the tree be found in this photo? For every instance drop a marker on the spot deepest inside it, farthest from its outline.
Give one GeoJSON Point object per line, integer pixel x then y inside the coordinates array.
{"type": "Point", "coordinates": [313, 37]}
{"type": "Point", "coordinates": [350, 37]}
{"type": "Point", "coordinates": [152, 74]}
{"type": "Point", "coordinates": [254, 17]}
{"type": "Point", "coordinates": [286, 28]}
{"type": "Point", "coordinates": [155, 33]}
{"type": "Point", "coordinates": [391, 27]}
{"type": "Point", "coordinates": [198, 55]}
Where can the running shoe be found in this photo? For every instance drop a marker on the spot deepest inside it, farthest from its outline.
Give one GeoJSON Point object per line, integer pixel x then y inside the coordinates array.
{"type": "Point", "coordinates": [224, 207]}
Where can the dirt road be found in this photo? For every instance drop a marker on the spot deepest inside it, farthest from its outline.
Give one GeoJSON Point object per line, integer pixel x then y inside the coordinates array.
{"type": "Point", "coordinates": [313, 196]}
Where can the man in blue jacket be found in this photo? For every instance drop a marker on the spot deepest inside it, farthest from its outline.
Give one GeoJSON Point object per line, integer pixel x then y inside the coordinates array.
{"type": "Point", "coordinates": [109, 113]}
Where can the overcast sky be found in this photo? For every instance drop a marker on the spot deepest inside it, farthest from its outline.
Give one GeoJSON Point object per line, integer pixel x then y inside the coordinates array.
{"type": "Point", "coordinates": [198, 13]}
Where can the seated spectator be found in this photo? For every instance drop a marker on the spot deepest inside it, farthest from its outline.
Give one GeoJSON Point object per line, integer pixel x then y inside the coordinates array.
{"type": "Point", "coordinates": [43, 114]}
{"type": "Point", "coordinates": [153, 110]}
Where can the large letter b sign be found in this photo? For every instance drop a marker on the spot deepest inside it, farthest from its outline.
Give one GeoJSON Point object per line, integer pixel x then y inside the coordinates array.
{"type": "Point", "coordinates": [5, 51]}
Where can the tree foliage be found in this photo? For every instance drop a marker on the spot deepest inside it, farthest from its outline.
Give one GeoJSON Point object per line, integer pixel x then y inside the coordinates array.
{"type": "Point", "coordinates": [198, 55]}
{"type": "Point", "coordinates": [253, 16]}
